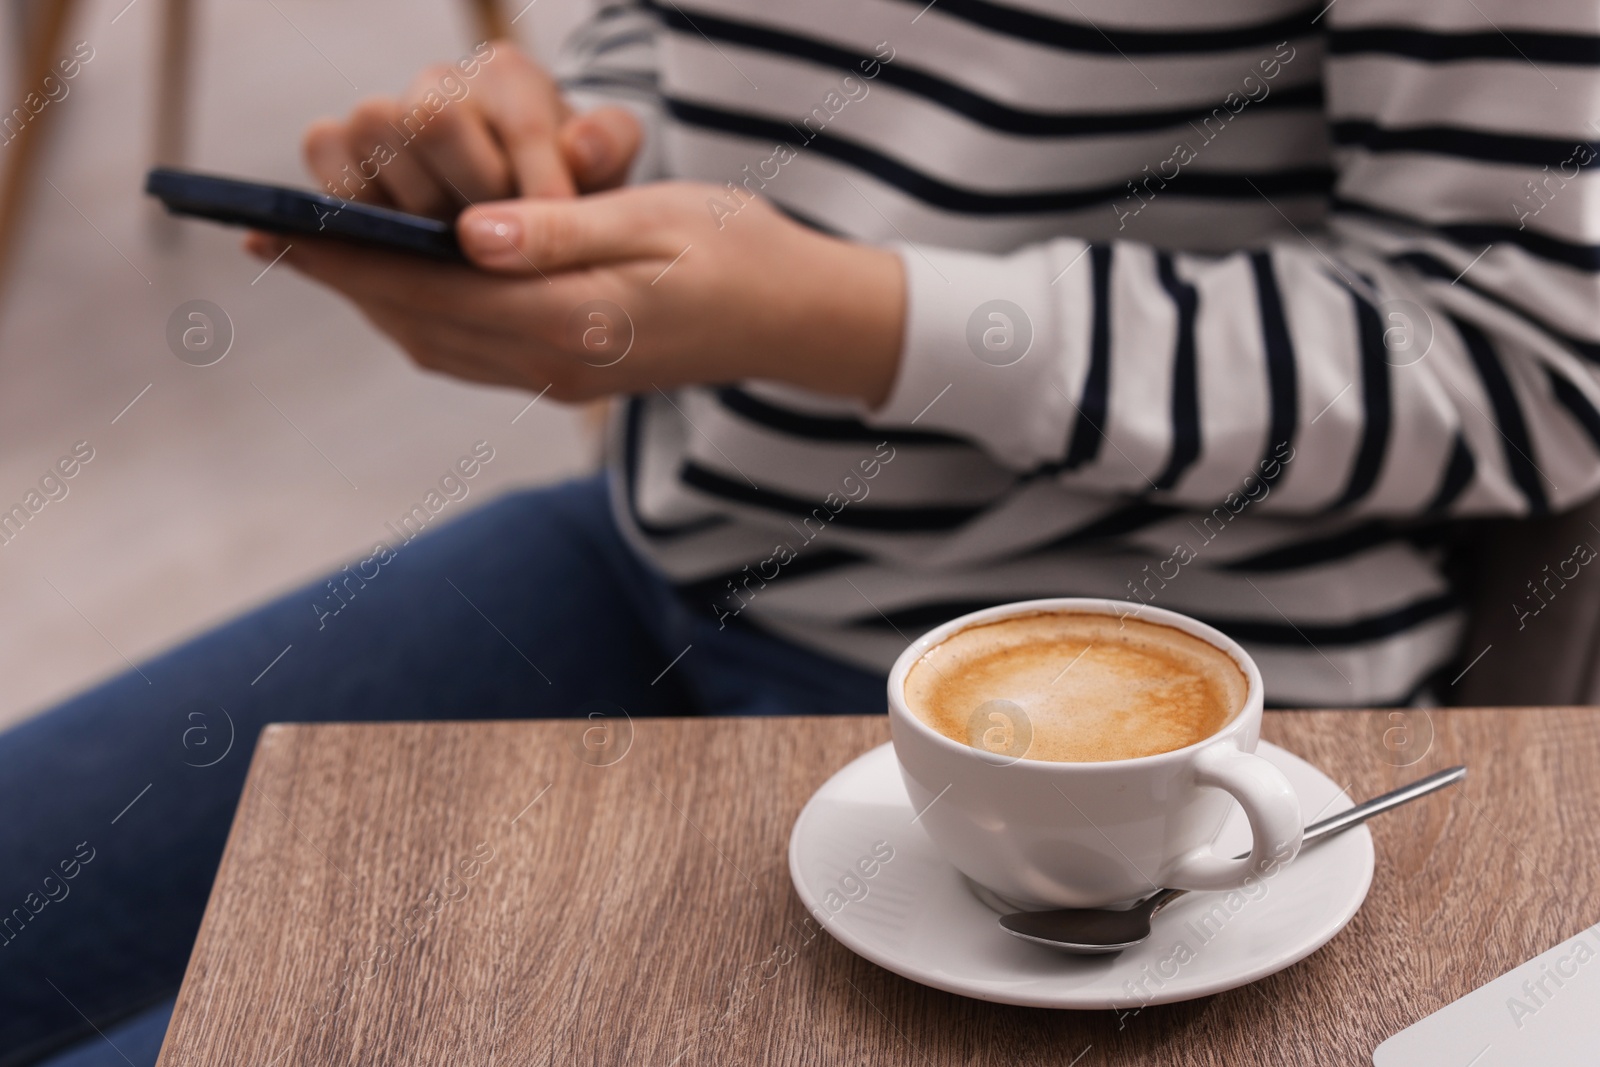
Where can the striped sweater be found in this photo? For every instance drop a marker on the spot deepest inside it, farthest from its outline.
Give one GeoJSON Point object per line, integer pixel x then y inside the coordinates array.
{"type": "Point", "coordinates": [1228, 308]}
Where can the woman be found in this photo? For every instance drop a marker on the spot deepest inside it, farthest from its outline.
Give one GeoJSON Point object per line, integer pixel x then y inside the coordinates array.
{"type": "Point", "coordinates": [914, 308]}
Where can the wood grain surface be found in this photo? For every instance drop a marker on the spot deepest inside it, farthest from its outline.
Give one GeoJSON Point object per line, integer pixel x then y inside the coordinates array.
{"type": "Point", "coordinates": [565, 892]}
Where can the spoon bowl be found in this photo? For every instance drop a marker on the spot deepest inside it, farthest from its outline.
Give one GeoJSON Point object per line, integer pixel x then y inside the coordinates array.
{"type": "Point", "coordinates": [1082, 931]}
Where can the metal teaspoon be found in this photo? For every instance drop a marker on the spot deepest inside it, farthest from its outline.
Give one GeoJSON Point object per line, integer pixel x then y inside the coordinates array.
{"type": "Point", "coordinates": [1097, 931]}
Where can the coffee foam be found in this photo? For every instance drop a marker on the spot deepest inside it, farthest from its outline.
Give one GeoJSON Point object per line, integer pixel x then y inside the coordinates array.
{"type": "Point", "coordinates": [1090, 687]}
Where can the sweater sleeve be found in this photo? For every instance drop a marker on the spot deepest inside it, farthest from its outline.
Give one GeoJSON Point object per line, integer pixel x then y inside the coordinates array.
{"type": "Point", "coordinates": [611, 59]}
{"type": "Point", "coordinates": [1430, 349]}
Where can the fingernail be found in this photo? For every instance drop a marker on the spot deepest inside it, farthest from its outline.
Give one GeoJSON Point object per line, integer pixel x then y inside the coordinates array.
{"type": "Point", "coordinates": [492, 237]}
{"type": "Point", "coordinates": [593, 151]}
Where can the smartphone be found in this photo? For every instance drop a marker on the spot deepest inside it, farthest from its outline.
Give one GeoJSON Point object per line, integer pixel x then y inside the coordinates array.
{"type": "Point", "coordinates": [278, 209]}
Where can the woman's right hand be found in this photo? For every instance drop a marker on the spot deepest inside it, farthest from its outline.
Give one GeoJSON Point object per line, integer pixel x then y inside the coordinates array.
{"type": "Point", "coordinates": [491, 127]}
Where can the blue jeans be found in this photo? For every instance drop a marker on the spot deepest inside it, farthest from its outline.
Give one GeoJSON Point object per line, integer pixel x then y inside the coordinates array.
{"type": "Point", "coordinates": [117, 803]}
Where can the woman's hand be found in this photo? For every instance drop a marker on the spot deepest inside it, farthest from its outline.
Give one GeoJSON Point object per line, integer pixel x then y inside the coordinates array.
{"type": "Point", "coordinates": [621, 292]}
{"type": "Point", "coordinates": [489, 127]}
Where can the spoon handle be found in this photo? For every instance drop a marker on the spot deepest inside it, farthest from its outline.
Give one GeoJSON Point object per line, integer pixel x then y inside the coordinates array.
{"type": "Point", "coordinates": [1335, 824]}
{"type": "Point", "coordinates": [1379, 804]}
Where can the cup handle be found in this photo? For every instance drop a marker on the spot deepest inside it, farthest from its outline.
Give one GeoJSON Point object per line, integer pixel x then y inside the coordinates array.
{"type": "Point", "coordinates": [1270, 803]}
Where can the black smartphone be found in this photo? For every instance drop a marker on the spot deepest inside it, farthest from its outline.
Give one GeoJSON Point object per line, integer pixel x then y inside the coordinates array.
{"type": "Point", "coordinates": [278, 209]}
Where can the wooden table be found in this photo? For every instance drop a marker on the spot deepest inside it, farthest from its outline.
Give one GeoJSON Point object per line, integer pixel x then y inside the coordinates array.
{"type": "Point", "coordinates": [530, 893]}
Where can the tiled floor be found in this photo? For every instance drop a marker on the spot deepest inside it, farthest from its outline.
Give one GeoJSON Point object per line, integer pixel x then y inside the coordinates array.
{"type": "Point", "coordinates": [218, 486]}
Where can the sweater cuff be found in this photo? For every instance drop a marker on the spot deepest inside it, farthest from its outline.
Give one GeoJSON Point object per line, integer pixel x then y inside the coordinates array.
{"type": "Point", "coordinates": [985, 356]}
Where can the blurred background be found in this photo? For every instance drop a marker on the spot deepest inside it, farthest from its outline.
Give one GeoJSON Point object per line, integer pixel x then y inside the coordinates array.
{"type": "Point", "coordinates": [221, 485]}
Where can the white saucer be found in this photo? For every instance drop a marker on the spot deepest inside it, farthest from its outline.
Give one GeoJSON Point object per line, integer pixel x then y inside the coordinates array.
{"type": "Point", "coordinates": [915, 916]}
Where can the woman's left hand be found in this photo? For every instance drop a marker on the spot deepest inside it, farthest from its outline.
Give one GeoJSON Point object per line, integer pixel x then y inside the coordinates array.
{"type": "Point", "coordinates": [651, 286]}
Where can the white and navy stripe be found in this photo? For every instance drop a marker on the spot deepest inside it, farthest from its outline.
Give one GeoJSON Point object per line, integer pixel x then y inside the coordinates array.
{"type": "Point", "coordinates": [1195, 320]}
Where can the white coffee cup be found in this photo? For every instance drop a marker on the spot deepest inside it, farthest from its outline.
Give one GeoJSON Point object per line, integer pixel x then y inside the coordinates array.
{"type": "Point", "coordinates": [1047, 834]}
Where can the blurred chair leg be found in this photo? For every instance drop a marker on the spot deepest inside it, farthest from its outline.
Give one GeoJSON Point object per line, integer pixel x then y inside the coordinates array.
{"type": "Point", "coordinates": [491, 19]}
{"type": "Point", "coordinates": [173, 71]}
{"type": "Point", "coordinates": [172, 83]}
{"type": "Point", "coordinates": [22, 141]}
